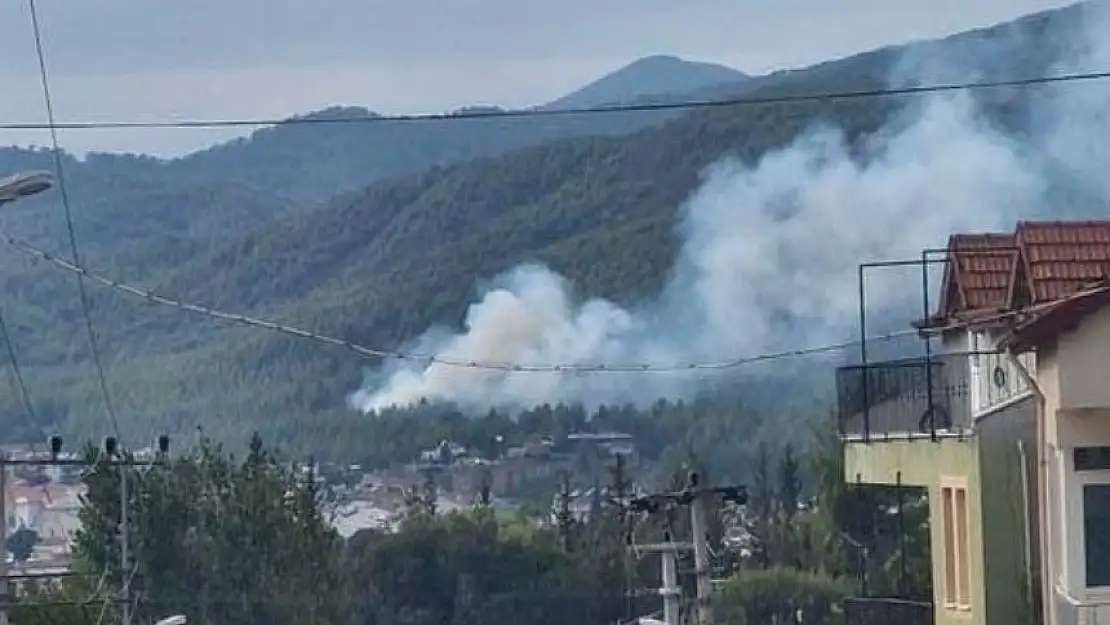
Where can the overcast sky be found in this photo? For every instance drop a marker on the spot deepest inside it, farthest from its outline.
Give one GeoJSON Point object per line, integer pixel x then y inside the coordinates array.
{"type": "Point", "coordinates": [165, 59]}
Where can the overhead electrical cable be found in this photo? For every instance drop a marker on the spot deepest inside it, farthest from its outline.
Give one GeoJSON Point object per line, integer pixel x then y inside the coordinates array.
{"type": "Point", "coordinates": [16, 372]}
{"type": "Point", "coordinates": [59, 172]}
{"type": "Point", "coordinates": [741, 101]}
{"type": "Point", "coordinates": [431, 359]}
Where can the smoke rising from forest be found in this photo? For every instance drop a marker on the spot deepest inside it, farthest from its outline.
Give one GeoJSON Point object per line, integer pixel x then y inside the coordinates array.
{"type": "Point", "coordinates": [770, 252]}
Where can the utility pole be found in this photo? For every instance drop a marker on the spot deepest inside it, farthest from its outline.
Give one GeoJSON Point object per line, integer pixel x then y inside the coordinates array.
{"type": "Point", "coordinates": [701, 555]}
{"type": "Point", "coordinates": [618, 497]}
{"type": "Point", "coordinates": [563, 518]}
{"type": "Point", "coordinates": [110, 449]}
{"type": "Point", "coordinates": [4, 536]}
{"type": "Point", "coordinates": [693, 497]}
{"type": "Point", "coordinates": [671, 592]}
{"type": "Point", "coordinates": [125, 464]}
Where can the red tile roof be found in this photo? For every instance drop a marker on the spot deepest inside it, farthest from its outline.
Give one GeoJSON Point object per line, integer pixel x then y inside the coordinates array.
{"type": "Point", "coordinates": [1057, 259]}
{"type": "Point", "coordinates": [977, 274]}
{"type": "Point", "coordinates": [1040, 263]}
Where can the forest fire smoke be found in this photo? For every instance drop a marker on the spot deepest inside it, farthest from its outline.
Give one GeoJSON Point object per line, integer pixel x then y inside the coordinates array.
{"type": "Point", "coordinates": [770, 251]}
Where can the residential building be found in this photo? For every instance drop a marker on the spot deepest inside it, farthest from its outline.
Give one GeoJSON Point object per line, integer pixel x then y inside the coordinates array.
{"type": "Point", "coordinates": [1071, 340]}
{"type": "Point", "coordinates": [1006, 426]}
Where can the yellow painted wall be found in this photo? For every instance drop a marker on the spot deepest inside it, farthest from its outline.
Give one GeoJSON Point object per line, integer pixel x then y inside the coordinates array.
{"type": "Point", "coordinates": [924, 463]}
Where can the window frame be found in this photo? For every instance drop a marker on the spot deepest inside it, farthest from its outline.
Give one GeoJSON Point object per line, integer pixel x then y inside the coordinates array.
{"type": "Point", "coordinates": [1084, 477]}
{"type": "Point", "coordinates": [955, 531]}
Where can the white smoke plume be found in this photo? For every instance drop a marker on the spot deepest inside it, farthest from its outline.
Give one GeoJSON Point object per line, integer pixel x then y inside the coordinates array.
{"type": "Point", "coordinates": [778, 241]}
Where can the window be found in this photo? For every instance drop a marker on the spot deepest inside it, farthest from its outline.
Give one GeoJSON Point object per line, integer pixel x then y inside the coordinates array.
{"type": "Point", "coordinates": [1092, 469]}
{"type": "Point", "coordinates": [963, 588]}
{"type": "Point", "coordinates": [948, 523]}
{"type": "Point", "coordinates": [1091, 459]}
{"type": "Point", "coordinates": [1096, 543]}
{"type": "Point", "coordinates": [957, 548]}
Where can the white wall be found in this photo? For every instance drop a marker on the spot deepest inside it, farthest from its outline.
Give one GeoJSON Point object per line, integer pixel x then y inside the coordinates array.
{"type": "Point", "coordinates": [1072, 375]}
{"type": "Point", "coordinates": [1068, 539]}
{"type": "Point", "coordinates": [995, 381]}
{"type": "Point", "coordinates": [1083, 356]}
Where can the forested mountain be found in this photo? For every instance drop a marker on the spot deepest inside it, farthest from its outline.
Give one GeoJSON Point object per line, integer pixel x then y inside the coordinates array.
{"type": "Point", "coordinates": [380, 263]}
{"type": "Point", "coordinates": [309, 158]}
{"type": "Point", "coordinates": [650, 77]}
{"type": "Point", "coordinates": [127, 200]}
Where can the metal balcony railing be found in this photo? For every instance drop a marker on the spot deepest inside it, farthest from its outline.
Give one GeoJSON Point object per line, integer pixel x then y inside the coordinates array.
{"type": "Point", "coordinates": [887, 611]}
{"type": "Point", "coordinates": [904, 397]}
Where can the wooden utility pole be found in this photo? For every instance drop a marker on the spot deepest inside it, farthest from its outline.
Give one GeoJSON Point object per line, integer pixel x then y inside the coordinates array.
{"type": "Point", "coordinates": [4, 537]}
{"type": "Point", "coordinates": [618, 498]}
{"type": "Point", "coordinates": [702, 569]}
{"type": "Point", "coordinates": [563, 517]}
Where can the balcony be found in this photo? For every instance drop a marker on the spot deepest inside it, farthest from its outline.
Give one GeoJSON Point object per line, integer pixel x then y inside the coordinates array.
{"type": "Point", "coordinates": [904, 398]}
{"type": "Point", "coordinates": [1071, 611]}
{"type": "Point", "coordinates": [887, 611]}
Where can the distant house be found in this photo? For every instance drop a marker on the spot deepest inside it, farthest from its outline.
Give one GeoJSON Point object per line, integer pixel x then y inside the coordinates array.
{"type": "Point", "coordinates": [51, 510]}
{"type": "Point", "coordinates": [444, 453]}
{"type": "Point", "coordinates": [581, 503]}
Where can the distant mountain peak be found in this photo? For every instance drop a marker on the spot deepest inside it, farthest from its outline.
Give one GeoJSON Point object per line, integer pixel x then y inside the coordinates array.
{"type": "Point", "coordinates": [336, 112]}
{"type": "Point", "coordinates": [650, 77]}
{"type": "Point", "coordinates": [662, 59]}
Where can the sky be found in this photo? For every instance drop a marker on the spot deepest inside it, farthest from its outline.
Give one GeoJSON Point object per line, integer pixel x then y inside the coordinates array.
{"type": "Point", "coordinates": [144, 60]}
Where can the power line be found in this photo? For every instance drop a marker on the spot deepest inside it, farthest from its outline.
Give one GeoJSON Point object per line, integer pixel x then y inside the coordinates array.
{"type": "Point", "coordinates": [111, 456]}
{"type": "Point", "coordinates": [94, 348]}
{"type": "Point", "coordinates": [62, 189]}
{"type": "Point", "coordinates": [430, 359]}
{"type": "Point", "coordinates": [16, 370]}
{"type": "Point", "coordinates": [564, 112]}
{"type": "Point", "coordinates": [21, 389]}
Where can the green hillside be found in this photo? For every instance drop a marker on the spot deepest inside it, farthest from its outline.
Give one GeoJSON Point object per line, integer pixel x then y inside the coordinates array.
{"type": "Point", "coordinates": [380, 264]}
{"type": "Point", "coordinates": [297, 165]}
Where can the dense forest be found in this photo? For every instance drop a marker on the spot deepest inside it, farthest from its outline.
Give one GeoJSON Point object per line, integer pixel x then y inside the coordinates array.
{"type": "Point", "coordinates": [725, 433]}
{"type": "Point", "coordinates": [246, 540]}
{"type": "Point", "coordinates": [248, 227]}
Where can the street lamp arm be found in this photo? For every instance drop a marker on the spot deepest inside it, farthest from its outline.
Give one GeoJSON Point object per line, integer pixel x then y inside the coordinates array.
{"type": "Point", "coordinates": [24, 184]}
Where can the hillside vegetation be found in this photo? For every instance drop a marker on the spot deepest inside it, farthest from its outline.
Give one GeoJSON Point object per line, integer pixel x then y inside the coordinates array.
{"type": "Point", "coordinates": [379, 264]}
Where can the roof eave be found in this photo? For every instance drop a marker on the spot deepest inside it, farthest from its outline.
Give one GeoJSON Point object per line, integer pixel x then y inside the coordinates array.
{"type": "Point", "coordinates": [977, 319]}
{"type": "Point", "coordinates": [1064, 316]}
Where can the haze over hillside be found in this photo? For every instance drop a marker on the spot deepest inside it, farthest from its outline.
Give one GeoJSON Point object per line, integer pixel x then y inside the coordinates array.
{"type": "Point", "coordinates": [447, 210]}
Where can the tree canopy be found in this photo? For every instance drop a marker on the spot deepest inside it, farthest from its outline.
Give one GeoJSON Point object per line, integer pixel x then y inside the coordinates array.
{"type": "Point", "coordinates": [247, 540]}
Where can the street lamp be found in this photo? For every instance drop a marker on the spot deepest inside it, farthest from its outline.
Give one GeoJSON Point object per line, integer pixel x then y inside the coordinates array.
{"type": "Point", "coordinates": [24, 184]}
